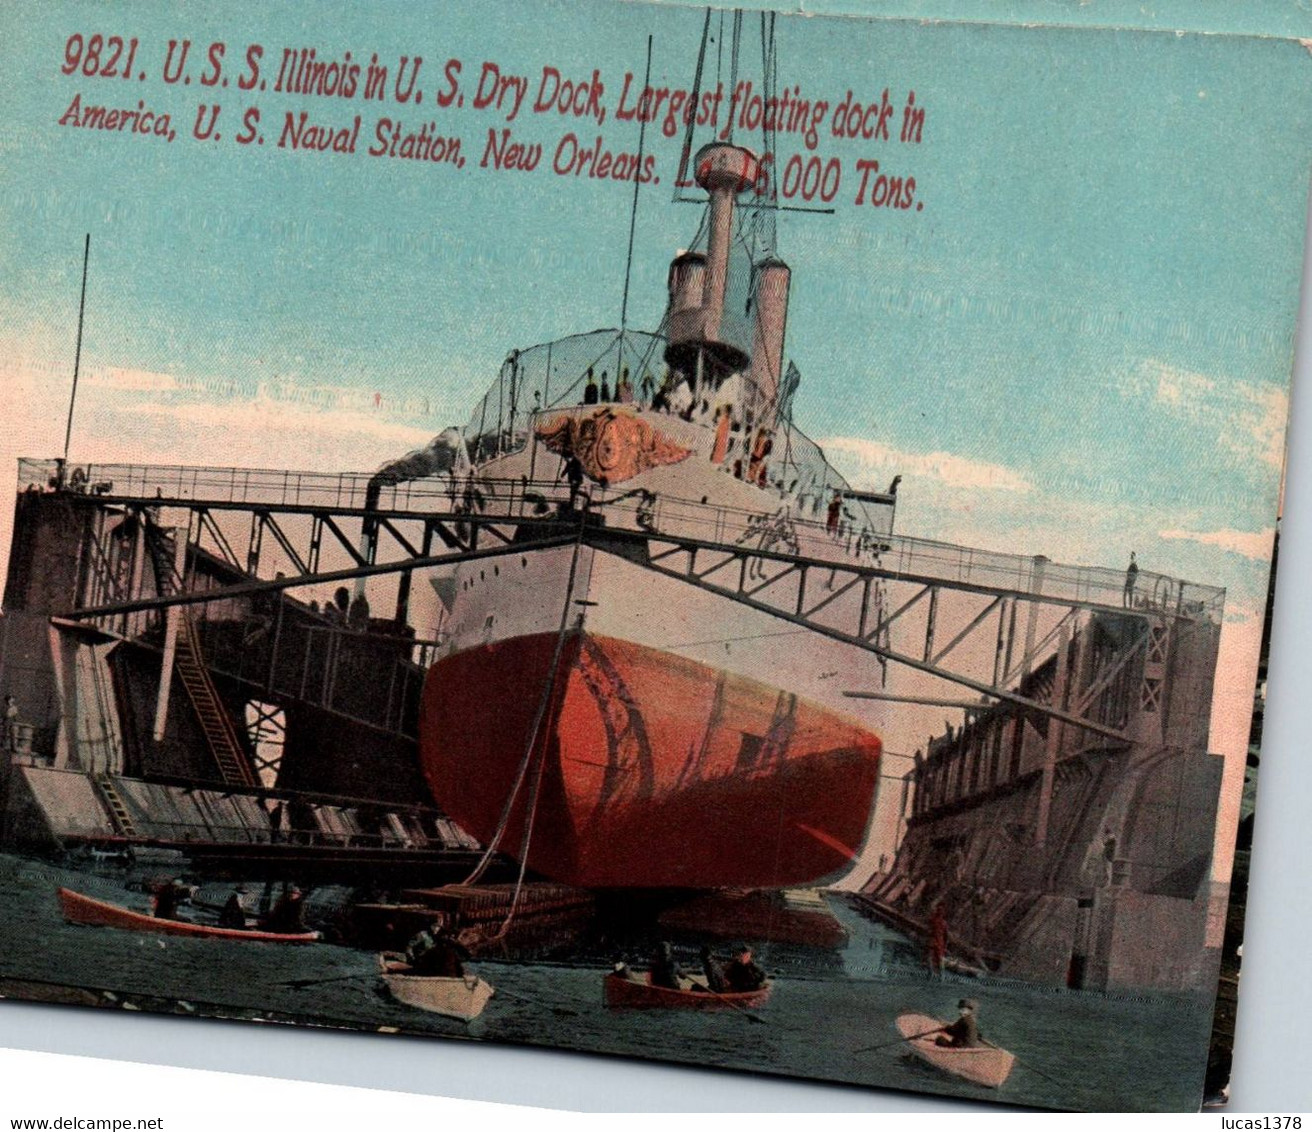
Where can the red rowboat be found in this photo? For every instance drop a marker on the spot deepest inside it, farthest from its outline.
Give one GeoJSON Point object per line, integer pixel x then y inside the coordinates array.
{"type": "Point", "coordinates": [637, 992]}
{"type": "Point", "coordinates": [85, 910]}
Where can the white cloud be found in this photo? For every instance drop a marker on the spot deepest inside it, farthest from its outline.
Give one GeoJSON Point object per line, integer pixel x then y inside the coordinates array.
{"type": "Point", "coordinates": [131, 380]}
{"type": "Point", "coordinates": [1248, 544]}
{"type": "Point", "coordinates": [873, 460]}
{"type": "Point", "coordinates": [1245, 419]}
{"type": "Point", "coordinates": [269, 423]}
{"type": "Point", "coordinates": [1177, 387]}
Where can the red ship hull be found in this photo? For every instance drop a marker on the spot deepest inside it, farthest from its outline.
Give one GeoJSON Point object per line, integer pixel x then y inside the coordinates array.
{"type": "Point", "coordinates": [652, 770]}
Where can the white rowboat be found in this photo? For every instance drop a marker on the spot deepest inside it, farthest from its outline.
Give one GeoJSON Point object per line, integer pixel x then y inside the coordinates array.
{"type": "Point", "coordinates": [983, 1064]}
{"type": "Point", "coordinates": [463, 997]}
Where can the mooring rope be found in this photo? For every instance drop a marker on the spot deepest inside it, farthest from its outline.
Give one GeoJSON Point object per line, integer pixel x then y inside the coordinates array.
{"type": "Point", "coordinates": [538, 718]}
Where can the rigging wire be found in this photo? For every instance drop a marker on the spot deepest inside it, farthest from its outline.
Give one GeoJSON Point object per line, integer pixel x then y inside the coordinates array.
{"type": "Point", "coordinates": [733, 68]}
{"type": "Point", "coordinates": [539, 716]}
{"type": "Point", "coordinates": [77, 357]}
{"type": "Point", "coordinates": [686, 155]}
{"type": "Point", "coordinates": [633, 214]}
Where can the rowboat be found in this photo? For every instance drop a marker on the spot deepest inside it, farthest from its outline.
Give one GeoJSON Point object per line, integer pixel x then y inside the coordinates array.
{"type": "Point", "coordinates": [463, 997]}
{"type": "Point", "coordinates": [636, 991]}
{"type": "Point", "coordinates": [85, 910]}
{"type": "Point", "coordinates": [985, 1064]}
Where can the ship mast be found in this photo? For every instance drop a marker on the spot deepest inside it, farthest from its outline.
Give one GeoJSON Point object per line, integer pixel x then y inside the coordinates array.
{"type": "Point", "coordinates": [77, 359]}
{"type": "Point", "coordinates": [633, 213]}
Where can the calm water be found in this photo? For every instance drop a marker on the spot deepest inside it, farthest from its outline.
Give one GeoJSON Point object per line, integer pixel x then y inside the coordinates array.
{"type": "Point", "coordinates": [1082, 1051]}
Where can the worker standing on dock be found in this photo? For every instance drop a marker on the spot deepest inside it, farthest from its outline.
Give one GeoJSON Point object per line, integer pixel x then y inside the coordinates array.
{"type": "Point", "coordinates": [1131, 579]}
{"type": "Point", "coordinates": [833, 514]}
{"type": "Point", "coordinates": [11, 725]}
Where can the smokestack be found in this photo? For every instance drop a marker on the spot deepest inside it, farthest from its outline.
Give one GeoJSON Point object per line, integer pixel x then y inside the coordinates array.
{"type": "Point", "coordinates": [446, 452]}
{"type": "Point", "coordinates": [771, 304]}
{"type": "Point", "coordinates": [687, 281]}
{"type": "Point", "coordinates": [724, 171]}
{"type": "Point", "coordinates": [698, 283]}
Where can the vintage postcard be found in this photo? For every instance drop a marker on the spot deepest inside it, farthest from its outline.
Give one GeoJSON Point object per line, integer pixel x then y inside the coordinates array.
{"type": "Point", "coordinates": [706, 535]}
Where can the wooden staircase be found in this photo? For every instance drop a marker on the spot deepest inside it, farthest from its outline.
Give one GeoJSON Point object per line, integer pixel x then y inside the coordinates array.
{"type": "Point", "coordinates": [221, 736]}
{"type": "Point", "coordinates": [118, 810]}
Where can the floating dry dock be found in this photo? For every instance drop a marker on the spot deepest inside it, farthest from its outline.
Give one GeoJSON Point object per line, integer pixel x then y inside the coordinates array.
{"type": "Point", "coordinates": [174, 691]}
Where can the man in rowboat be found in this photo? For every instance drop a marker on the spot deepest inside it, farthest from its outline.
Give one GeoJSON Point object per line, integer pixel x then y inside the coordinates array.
{"type": "Point", "coordinates": [964, 1032]}
{"type": "Point", "coordinates": [288, 915]}
{"type": "Point", "coordinates": [167, 897]}
{"type": "Point", "coordinates": [234, 911]}
{"type": "Point", "coordinates": [434, 952]}
{"type": "Point", "coordinates": [714, 975]}
{"type": "Point", "coordinates": [742, 975]}
{"type": "Point", "coordinates": [665, 970]}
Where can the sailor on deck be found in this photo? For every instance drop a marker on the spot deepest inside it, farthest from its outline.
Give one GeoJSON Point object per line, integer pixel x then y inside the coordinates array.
{"type": "Point", "coordinates": [572, 470]}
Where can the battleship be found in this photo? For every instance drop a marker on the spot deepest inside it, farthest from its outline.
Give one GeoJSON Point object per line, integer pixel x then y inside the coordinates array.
{"type": "Point", "coordinates": [659, 769]}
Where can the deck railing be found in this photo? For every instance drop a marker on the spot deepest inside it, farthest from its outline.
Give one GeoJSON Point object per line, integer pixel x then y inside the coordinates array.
{"type": "Point", "coordinates": [787, 527]}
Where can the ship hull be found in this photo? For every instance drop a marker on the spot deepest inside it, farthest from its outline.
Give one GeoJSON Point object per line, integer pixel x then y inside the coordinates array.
{"type": "Point", "coordinates": [648, 770]}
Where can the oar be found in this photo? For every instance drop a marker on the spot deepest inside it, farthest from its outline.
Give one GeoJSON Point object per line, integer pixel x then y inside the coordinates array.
{"type": "Point", "coordinates": [1026, 1064]}
{"type": "Point", "coordinates": [301, 984]}
{"type": "Point", "coordinates": [705, 989]}
{"type": "Point", "coordinates": [741, 1009]}
{"type": "Point", "coordinates": [899, 1041]}
{"type": "Point", "coordinates": [560, 1011]}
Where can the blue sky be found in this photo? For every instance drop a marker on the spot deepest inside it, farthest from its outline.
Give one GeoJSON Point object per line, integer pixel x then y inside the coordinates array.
{"type": "Point", "coordinates": [1080, 346]}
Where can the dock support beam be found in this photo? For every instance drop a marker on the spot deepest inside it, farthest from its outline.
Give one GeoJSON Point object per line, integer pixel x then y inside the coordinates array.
{"type": "Point", "coordinates": [1032, 622]}
{"type": "Point", "coordinates": [1053, 744]}
{"type": "Point", "coordinates": [172, 616]}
